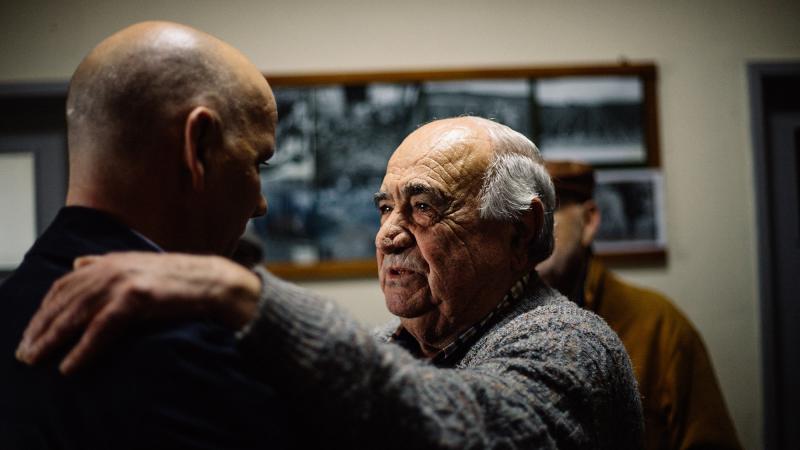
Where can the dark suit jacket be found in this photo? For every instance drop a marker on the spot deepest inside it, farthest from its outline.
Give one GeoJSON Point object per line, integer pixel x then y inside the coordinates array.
{"type": "Point", "coordinates": [178, 386]}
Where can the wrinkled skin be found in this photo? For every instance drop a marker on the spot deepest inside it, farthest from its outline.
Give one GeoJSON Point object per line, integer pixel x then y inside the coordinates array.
{"type": "Point", "coordinates": [442, 268]}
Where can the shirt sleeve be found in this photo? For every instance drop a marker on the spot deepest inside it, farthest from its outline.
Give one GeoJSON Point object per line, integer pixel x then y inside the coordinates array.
{"type": "Point", "coordinates": [696, 412]}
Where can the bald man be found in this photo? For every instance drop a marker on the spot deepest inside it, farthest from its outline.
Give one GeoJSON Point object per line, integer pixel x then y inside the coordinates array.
{"type": "Point", "coordinates": [167, 127]}
{"type": "Point", "coordinates": [483, 353]}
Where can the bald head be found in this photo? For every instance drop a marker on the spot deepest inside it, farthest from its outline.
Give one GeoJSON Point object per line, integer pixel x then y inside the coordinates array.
{"type": "Point", "coordinates": [167, 126]}
{"type": "Point", "coordinates": [134, 84]}
{"type": "Point", "coordinates": [505, 170]}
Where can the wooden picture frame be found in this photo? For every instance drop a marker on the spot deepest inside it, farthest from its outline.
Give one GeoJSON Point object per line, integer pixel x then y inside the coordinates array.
{"type": "Point", "coordinates": [336, 132]}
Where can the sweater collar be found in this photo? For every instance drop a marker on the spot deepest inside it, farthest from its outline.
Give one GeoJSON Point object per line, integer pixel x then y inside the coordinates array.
{"type": "Point", "coordinates": [447, 355]}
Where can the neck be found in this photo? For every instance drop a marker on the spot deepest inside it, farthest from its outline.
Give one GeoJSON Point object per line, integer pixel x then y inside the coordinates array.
{"type": "Point", "coordinates": [148, 215]}
{"type": "Point", "coordinates": [570, 282]}
{"type": "Point", "coordinates": [435, 331]}
{"type": "Point", "coordinates": [431, 335]}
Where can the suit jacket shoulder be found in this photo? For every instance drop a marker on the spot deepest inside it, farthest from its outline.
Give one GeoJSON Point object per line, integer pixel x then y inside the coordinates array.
{"type": "Point", "coordinates": [180, 385]}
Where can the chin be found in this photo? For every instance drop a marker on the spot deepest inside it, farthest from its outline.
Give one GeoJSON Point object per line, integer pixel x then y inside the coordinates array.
{"type": "Point", "coordinates": [405, 308]}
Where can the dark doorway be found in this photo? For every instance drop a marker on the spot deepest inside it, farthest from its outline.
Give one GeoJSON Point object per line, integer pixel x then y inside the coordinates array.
{"type": "Point", "coordinates": [775, 105]}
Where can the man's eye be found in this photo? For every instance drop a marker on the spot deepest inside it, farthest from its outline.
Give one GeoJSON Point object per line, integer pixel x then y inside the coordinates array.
{"type": "Point", "coordinates": [422, 207]}
{"type": "Point", "coordinates": [384, 209]}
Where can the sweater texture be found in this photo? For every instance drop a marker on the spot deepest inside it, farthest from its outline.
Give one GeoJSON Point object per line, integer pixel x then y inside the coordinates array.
{"type": "Point", "coordinates": [547, 374]}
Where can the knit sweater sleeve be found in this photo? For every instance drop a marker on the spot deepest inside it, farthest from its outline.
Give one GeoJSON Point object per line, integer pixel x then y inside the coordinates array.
{"type": "Point", "coordinates": [549, 383]}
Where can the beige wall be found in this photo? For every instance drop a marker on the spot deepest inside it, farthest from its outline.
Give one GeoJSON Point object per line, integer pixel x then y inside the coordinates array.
{"type": "Point", "coordinates": [701, 48]}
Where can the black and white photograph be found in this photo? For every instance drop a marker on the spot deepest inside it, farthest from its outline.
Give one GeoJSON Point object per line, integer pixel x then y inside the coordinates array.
{"type": "Point", "coordinates": [599, 120]}
{"type": "Point", "coordinates": [289, 182]}
{"type": "Point", "coordinates": [334, 140]}
{"type": "Point", "coordinates": [507, 101]}
{"type": "Point", "coordinates": [333, 144]}
{"type": "Point", "coordinates": [631, 202]}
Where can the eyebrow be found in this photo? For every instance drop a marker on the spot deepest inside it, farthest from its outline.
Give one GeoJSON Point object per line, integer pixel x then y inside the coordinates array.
{"type": "Point", "coordinates": [378, 197]}
{"type": "Point", "coordinates": [437, 197]}
{"type": "Point", "coordinates": [412, 190]}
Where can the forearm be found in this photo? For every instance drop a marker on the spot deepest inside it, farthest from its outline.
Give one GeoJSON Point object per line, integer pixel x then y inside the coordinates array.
{"type": "Point", "coordinates": [337, 371]}
{"type": "Point", "coordinates": [382, 396]}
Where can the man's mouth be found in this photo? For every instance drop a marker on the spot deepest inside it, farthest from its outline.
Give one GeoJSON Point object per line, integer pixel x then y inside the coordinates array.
{"type": "Point", "coordinates": [398, 272]}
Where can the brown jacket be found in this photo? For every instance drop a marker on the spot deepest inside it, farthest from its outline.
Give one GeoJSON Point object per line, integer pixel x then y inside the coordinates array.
{"type": "Point", "coordinates": [683, 405]}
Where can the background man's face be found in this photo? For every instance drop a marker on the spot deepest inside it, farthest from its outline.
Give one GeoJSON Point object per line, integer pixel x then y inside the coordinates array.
{"type": "Point", "coordinates": [569, 250]}
{"type": "Point", "coordinates": [234, 175]}
{"type": "Point", "coordinates": [437, 258]}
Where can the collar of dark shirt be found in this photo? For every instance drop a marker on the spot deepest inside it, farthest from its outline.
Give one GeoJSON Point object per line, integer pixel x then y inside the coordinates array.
{"type": "Point", "coordinates": [155, 246]}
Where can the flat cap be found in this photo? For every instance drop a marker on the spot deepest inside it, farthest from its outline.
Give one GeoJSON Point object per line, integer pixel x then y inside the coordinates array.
{"type": "Point", "coordinates": [573, 180]}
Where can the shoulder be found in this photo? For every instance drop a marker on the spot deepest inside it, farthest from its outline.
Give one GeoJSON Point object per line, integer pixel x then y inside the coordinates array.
{"type": "Point", "coordinates": [181, 353]}
{"type": "Point", "coordinates": [548, 323]}
{"type": "Point", "coordinates": [647, 307]}
{"type": "Point", "coordinates": [607, 291]}
{"type": "Point", "coordinates": [549, 312]}
{"type": "Point", "coordinates": [569, 356]}
{"type": "Point", "coordinates": [180, 379]}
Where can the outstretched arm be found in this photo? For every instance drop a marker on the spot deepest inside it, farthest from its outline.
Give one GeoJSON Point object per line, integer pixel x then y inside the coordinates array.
{"type": "Point", "coordinates": [554, 379]}
{"type": "Point", "coordinates": [105, 294]}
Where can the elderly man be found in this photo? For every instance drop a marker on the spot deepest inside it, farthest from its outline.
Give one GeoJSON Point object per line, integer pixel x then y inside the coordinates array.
{"type": "Point", "coordinates": [683, 405]}
{"type": "Point", "coordinates": [165, 124]}
{"type": "Point", "coordinates": [484, 355]}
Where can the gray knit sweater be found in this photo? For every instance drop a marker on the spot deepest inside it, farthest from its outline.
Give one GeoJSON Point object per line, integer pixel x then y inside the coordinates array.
{"type": "Point", "coordinates": [546, 375]}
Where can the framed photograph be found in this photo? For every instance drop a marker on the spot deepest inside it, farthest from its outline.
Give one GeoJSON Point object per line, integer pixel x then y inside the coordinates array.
{"type": "Point", "coordinates": [631, 203]}
{"type": "Point", "coordinates": [336, 133]}
{"type": "Point", "coordinates": [507, 101]}
{"type": "Point", "coordinates": [333, 146]}
{"type": "Point", "coordinates": [599, 120]}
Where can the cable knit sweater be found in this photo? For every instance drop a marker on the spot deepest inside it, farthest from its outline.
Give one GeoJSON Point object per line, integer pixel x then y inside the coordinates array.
{"type": "Point", "coordinates": [546, 375]}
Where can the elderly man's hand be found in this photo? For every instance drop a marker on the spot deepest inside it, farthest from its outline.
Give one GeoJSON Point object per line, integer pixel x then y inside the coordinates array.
{"type": "Point", "coordinates": [104, 294]}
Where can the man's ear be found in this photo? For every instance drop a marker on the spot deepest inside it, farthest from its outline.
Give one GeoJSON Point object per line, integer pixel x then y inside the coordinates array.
{"type": "Point", "coordinates": [200, 131]}
{"type": "Point", "coordinates": [526, 230]}
{"type": "Point", "coordinates": [591, 222]}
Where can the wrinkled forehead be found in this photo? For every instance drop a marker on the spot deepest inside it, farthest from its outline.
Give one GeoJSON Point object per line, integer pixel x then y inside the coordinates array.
{"type": "Point", "coordinates": [452, 156]}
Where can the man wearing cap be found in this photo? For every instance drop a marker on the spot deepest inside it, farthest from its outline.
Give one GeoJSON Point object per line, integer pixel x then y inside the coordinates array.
{"type": "Point", "coordinates": [682, 401]}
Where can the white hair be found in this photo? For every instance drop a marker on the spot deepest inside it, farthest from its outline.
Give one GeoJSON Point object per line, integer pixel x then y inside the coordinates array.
{"type": "Point", "coordinates": [515, 177]}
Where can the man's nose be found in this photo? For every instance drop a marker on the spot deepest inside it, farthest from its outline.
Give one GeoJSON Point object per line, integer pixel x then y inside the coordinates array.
{"type": "Point", "coordinates": [393, 238]}
{"type": "Point", "coordinates": [261, 207]}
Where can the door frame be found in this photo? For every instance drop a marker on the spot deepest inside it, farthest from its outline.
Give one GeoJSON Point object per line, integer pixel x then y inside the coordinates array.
{"type": "Point", "coordinates": [759, 74]}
